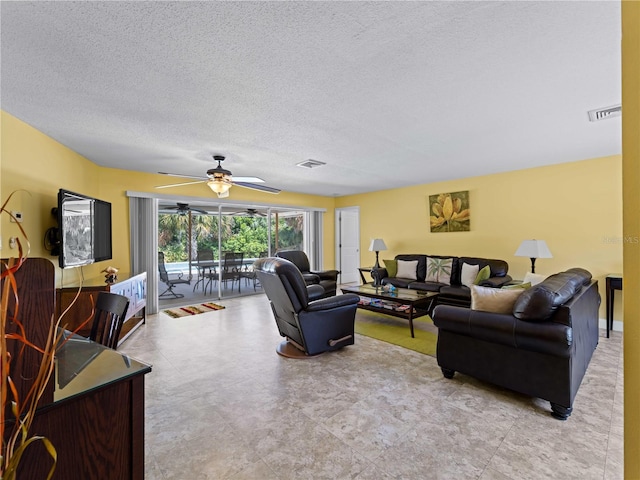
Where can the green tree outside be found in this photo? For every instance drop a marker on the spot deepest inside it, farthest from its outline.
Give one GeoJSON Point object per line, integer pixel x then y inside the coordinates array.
{"type": "Point", "coordinates": [239, 234]}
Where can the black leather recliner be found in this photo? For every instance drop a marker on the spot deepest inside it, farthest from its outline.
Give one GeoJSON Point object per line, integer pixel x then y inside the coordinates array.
{"type": "Point", "coordinates": [328, 279]}
{"type": "Point", "coordinates": [309, 326]}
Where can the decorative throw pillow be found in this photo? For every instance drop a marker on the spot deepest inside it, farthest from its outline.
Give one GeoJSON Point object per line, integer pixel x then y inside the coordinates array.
{"type": "Point", "coordinates": [392, 267]}
{"type": "Point", "coordinates": [407, 269]}
{"type": "Point", "coordinates": [439, 270]}
{"type": "Point", "coordinates": [524, 286]}
{"type": "Point", "coordinates": [483, 274]}
{"type": "Point", "coordinates": [469, 274]}
{"type": "Point", "coordinates": [533, 278]}
{"type": "Point", "coordinates": [494, 300]}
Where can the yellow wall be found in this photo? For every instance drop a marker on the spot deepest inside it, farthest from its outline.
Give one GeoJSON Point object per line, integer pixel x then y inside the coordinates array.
{"type": "Point", "coordinates": [575, 207]}
{"type": "Point", "coordinates": [36, 167]}
{"type": "Point", "coordinates": [631, 209]}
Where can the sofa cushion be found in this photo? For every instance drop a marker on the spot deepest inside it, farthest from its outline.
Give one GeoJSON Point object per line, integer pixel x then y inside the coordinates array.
{"type": "Point", "coordinates": [392, 267]}
{"type": "Point", "coordinates": [495, 300]}
{"type": "Point", "coordinates": [468, 274]}
{"type": "Point", "coordinates": [426, 286]}
{"type": "Point", "coordinates": [540, 301]}
{"type": "Point", "coordinates": [461, 292]}
{"type": "Point", "coordinates": [585, 275]}
{"type": "Point", "coordinates": [407, 269]}
{"type": "Point", "coordinates": [439, 270]}
{"type": "Point", "coordinates": [397, 282]}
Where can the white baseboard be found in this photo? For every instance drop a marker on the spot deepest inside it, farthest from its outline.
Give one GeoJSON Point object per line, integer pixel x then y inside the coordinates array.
{"type": "Point", "coordinates": [617, 325]}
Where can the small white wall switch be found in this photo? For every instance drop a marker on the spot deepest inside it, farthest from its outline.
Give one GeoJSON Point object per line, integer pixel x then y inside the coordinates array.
{"type": "Point", "coordinates": [17, 217]}
{"type": "Point", "coordinates": [12, 242]}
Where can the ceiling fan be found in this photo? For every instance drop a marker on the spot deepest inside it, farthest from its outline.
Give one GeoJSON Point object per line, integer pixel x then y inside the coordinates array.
{"type": "Point", "coordinates": [183, 209]}
{"type": "Point", "coordinates": [250, 212]}
{"type": "Point", "coordinates": [220, 180]}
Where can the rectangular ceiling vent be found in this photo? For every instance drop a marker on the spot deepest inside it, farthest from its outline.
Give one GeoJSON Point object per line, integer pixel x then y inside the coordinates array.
{"type": "Point", "coordinates": [602, 113]}
{"type": "Point", "coordinates": [310, 164]}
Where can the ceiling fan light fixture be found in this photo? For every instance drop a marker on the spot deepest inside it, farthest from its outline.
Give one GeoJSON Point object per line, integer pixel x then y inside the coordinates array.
{"type": "Point", "coordinates": [220, 185]}
{"type": "Point", "coordinates": [220, 180]}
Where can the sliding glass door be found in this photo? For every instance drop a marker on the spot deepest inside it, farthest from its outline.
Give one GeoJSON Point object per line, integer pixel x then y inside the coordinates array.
{"type": "Point", "coordinates": [214, 246]}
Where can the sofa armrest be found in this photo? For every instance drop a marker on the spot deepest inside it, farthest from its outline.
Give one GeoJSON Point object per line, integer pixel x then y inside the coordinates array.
{"type": "Point", "coordinates": [333, 302]}
{"type": "Point", "coordinates": [311, 278]}
{"type": "Point", "coordinates": [327, 274]}
{"type": "Point", "coordinates": [496, 282]}
{"type": "Point", "coordinates": [315, 291]}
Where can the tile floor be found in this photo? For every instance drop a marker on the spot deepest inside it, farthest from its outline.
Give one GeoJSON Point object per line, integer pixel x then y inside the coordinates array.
{"type": "Point", "coordinates": [221, 404]}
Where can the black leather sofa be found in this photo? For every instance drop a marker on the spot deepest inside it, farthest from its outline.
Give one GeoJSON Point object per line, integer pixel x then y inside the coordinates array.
{"type": "Point", "coordinates": [327, 279]}
{"type": "Point", "coordinates": [455, 293]}
{"type": "Point", "coordinates": [541, 349]}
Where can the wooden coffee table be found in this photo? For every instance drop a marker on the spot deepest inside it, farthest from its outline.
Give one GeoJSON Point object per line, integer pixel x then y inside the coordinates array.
{"type": "Point", "coordinates": [409, 304]}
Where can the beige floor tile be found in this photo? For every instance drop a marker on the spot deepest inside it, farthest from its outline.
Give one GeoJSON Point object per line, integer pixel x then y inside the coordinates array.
{"type": "Point", "coordinates": [220, 403]}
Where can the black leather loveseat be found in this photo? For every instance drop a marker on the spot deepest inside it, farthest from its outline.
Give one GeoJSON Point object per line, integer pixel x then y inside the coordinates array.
{"type": "Point", "coordinates": [541, 348]}
{"type": "Point", "coordinates": [453, 293]}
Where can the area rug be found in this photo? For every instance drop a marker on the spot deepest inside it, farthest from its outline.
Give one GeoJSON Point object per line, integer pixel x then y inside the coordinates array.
{"type": "Point", "coordinates": [192, 310]}
{"type": "Point", "coordinates": [396, 331]}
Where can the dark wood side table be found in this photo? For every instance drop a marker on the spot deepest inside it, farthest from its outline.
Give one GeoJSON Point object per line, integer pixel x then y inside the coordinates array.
{"type": "Point", "coordinates": [362, 270]}
{"type": "Point", "coordinates": [613, 283]}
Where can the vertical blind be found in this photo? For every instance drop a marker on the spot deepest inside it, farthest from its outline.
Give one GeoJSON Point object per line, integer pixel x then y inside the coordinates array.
{"type": "Point", "coordinates": [143, 219]}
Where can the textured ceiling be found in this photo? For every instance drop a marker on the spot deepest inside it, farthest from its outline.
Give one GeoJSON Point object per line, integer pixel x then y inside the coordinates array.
{"type": "Point", "coordinates": [388, 94]}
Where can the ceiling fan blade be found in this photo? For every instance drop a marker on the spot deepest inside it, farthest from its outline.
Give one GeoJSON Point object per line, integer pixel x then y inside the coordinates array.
{"type": "Point", "coordinates": [248, 179]}
{"type": "Point", "coordinates": [262, 188]}
{"type": "Point", "coordinates": [197, 177]}
{"type": "Point", "coordinates": [179, 184]}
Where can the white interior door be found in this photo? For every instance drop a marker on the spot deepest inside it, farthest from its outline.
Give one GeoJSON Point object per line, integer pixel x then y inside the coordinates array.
{"type": "Point", "coordinates": [348, 244]}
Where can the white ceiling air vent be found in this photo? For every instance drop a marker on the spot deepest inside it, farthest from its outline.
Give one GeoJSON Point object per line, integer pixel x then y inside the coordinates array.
{"type": "Point", "coordinates": [607, 112]}
{"type": "Point", "coordinates": [310, 164]}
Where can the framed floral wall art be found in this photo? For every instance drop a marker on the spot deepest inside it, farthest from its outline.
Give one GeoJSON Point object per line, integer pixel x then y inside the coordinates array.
{"type": "Point", "coordinates": [449, 212]}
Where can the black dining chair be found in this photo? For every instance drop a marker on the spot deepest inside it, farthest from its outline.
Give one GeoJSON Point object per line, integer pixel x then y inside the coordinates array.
{"type": "Point", "coordinates": [205, 266]}
{"type": "Point", "coordinates": [110, 312]}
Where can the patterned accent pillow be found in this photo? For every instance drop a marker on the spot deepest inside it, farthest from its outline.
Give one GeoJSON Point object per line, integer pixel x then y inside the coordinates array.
{"type": "Point", "coordinates": [439, 270]}
{"type": "Point", "coordinates": [408, 269]}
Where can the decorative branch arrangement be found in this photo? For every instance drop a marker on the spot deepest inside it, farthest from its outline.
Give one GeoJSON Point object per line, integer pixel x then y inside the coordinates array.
{"type": "Point", "coordinates": [15, 430]}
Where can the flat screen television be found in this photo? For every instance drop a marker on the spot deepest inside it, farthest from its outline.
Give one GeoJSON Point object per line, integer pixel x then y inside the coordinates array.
{"type": "Point", "coordinates": [84, 229]}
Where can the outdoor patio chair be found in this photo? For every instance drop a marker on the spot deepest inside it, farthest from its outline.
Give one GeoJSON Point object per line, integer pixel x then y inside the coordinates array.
{"type": "Point", "coordinates": [169, 282]}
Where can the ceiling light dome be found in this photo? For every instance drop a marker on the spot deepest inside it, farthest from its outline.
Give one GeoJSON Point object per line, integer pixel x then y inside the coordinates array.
{"type": "Point", "coordinates": [220, 180]}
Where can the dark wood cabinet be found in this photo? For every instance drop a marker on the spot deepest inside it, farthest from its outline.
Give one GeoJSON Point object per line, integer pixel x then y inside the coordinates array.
{"type": "Point", "coordinates": [92, 410]}
{"type": "Point", "coordinates": [133, 287]}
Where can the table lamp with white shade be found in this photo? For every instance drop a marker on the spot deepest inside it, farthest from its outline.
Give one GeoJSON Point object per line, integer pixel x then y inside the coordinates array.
{"type": "Point", "coordinates": [533, 249]}
{"type": "Point", "coordinates": [377, 245]}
